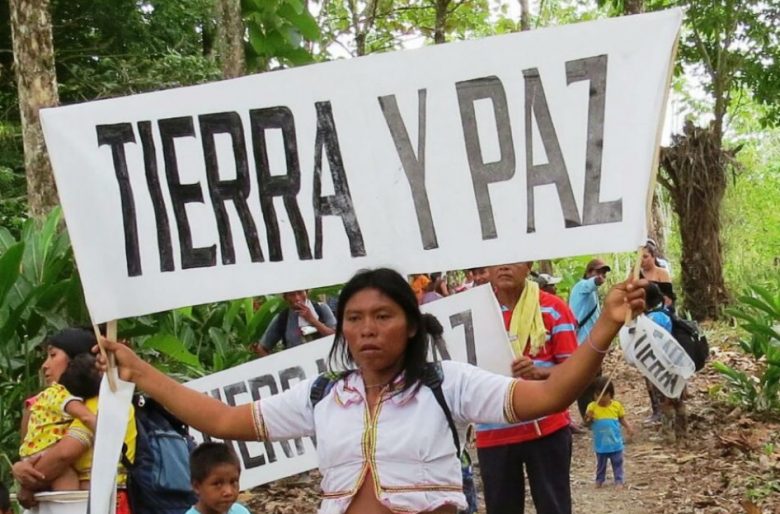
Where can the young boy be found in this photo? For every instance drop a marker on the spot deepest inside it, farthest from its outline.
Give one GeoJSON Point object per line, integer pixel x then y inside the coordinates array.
{"type": "Point", "coordinates": [215, 470]}
{"type": "Point", "coordinates": [607, 415]}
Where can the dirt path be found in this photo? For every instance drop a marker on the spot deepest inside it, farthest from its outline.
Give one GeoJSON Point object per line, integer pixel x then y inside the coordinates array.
{"type": "Point", "coordinates": [729, 464]}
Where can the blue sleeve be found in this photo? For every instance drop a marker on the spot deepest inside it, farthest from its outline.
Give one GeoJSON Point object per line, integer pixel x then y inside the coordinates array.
{"type": "Point", "coordinates": [580, 299]}
{"type": "Point", "coordinates": [589, 285]}
{"type": "Point", "coordinates": [273, 334]}
{"type": "Point", "coordinates": [237, 508]}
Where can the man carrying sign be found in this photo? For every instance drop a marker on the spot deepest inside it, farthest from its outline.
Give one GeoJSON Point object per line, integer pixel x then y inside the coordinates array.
{"type": "Point", "coordinates": [542, 326]}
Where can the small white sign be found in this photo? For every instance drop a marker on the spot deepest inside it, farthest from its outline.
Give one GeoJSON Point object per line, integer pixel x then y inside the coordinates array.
{"type": "Point", "coordinates": [657, 355]}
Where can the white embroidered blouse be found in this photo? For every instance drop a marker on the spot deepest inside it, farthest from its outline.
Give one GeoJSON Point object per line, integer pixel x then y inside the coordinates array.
{"type": "Point", "coordinates": [407, 446]}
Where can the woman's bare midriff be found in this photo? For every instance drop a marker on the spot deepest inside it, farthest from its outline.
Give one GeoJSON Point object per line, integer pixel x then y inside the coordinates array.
{"type": "Point", "coordinates": [366, 502]}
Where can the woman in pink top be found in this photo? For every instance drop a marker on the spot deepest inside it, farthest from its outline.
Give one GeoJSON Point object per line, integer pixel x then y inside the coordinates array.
{"type": "Point", "coordinates": [370, 459]}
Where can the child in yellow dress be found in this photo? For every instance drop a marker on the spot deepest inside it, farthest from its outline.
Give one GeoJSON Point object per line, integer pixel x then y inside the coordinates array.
{"type": "Point", "coordinates": [53, 410]}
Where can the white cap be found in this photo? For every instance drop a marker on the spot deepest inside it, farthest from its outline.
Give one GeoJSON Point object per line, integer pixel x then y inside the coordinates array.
{"type": "Point", "coordinates": [548, 280]}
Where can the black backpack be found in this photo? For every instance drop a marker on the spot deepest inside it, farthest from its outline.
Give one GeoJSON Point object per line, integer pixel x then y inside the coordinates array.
{"type": "Point", "coordinates": [158, 480]}
{"type": "Point", "coordinates": [695, 344]}
{"type": "Point", "coordinates": [433, 376]}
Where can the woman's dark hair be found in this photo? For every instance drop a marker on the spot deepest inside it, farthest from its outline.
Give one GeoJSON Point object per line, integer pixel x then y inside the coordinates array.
{"type": "Point", "coordinates": [598, 386]}
{"type": "Point", "coordinates": [394, 286]}
{"type": "Point", "coordinates": [208, 456]}
{"type": "Point", "coordinates": [81, 378]}
{"type": "Point", "coordinates": [73, 341]}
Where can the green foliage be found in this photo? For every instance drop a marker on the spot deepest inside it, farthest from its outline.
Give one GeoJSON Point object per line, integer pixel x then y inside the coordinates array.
{"type": "Point", "coordinates": [13, 186]}
{"type": "Point", "coordinates": [196, 341]}
{"type": "Point", "coordinates": [278, 30]}
{"type": "Point", "coordinates": [107, 48]}
{"type": "Point", "coordinates": [731, 46]}
{"type": "Point", "coordinates": [113, 76]}
{"type": "Point", "coordinates": [759, 315]}
{"type": "Point", "coordinates": [39, 293]}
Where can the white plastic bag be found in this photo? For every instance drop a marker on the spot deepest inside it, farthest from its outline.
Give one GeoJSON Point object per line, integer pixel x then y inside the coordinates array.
{"type": "Point", "coordinates": [657, 355]}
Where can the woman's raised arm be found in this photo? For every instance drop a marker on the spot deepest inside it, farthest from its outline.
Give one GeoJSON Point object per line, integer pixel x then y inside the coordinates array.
{"type": "Point", "coordinates": [196, 409]}
{"type": "Point", "coordinates": [535, 398]}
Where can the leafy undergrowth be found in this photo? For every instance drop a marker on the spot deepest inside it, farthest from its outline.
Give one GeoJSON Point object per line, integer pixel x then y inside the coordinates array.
{"type": "Point", "coordinates": [729, 463]}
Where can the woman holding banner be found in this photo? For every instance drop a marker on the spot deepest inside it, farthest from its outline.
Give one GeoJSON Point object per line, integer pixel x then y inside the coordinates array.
{"type": "Point", "coordinates": [372, 463]}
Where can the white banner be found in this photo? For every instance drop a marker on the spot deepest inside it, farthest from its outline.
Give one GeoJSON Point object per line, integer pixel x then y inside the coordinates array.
{"type": "Point", "coordinates": [473, 329]}
{"type": "Point", "coordinates": [532, 145]}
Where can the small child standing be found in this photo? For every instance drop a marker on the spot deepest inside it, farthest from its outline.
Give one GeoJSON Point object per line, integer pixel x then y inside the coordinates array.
{"type": "Point", "coordinates": [215, 470]}
{"type": "Point", "coordinates": [607, 415]}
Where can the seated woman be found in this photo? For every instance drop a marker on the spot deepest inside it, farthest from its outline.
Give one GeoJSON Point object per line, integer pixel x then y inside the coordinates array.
{"type": "Point", "coordinates": [74, 448]}
{"type": "Point", "coordinates": [372, 463]}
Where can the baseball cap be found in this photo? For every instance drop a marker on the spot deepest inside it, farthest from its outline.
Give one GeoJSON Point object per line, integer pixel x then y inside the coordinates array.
{"type": "Point", "coordinates": [596, 264]}
{"type": "Point", "coordinates": [545, 279]}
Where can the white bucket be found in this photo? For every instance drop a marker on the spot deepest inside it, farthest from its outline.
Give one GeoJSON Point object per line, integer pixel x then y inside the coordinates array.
{"type": "Point", "coordinates": [60, 502]}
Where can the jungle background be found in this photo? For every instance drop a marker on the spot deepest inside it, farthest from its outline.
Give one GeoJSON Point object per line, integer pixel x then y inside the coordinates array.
{"type": "Point", "coordinates": [715, 213]}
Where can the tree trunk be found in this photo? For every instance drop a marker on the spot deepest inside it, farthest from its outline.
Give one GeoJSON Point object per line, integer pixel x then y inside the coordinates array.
{"type": "Point", "coordinates": [230, 38]}
{"type": "Point", "coordinates": [633, 6]}
{"type": "Point", "coordinates": [525, 15]}
{"type": "Point", "coordinates": [695, 168]}
{"type": "Point", "coordinates": [362, 23]}
{"type": "Point", "coordinates": [440, 29]}
{"type": "Point", "coordinates": [657, 231]}
{"type": "Point", "coordinates": [36, 82]}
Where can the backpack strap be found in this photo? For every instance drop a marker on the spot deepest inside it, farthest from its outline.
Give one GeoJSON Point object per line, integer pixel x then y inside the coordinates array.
{"type": "Point", "coordinates": [323, 384]}
{"type": "Point", "coordinates": [586, 318]}
{"type": "Point", "coordinates": [320, 310]}
{"type": "Point", "coordinates": [282, 322]}
{"type": "Point", "coordinates": [433, 377]}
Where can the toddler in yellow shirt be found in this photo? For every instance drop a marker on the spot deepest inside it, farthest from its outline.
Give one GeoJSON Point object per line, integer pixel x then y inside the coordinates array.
{"type": "Point", "coordinates": [606, 416]}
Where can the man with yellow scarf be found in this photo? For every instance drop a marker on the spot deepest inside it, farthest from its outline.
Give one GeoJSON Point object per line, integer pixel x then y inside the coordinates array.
{"type": "Point", "coordinates": [542, 331]}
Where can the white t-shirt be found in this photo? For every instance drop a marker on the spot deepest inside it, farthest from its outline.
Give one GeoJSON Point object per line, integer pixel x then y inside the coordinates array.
{"type": "Point", "coordinates": [408, 446]}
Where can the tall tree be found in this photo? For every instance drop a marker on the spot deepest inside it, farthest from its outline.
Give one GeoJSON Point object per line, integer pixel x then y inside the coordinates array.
{"type": "Point", "coordinates": [525, 15]}
{"type": "Point", "coordinates": [730, 47]}
{"type": "Point", "coordinates": [37, 88]}
{"type": "Point", "coordinates": [735, 47]}
{"type": "Point", "coordinates": [230, 38]}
